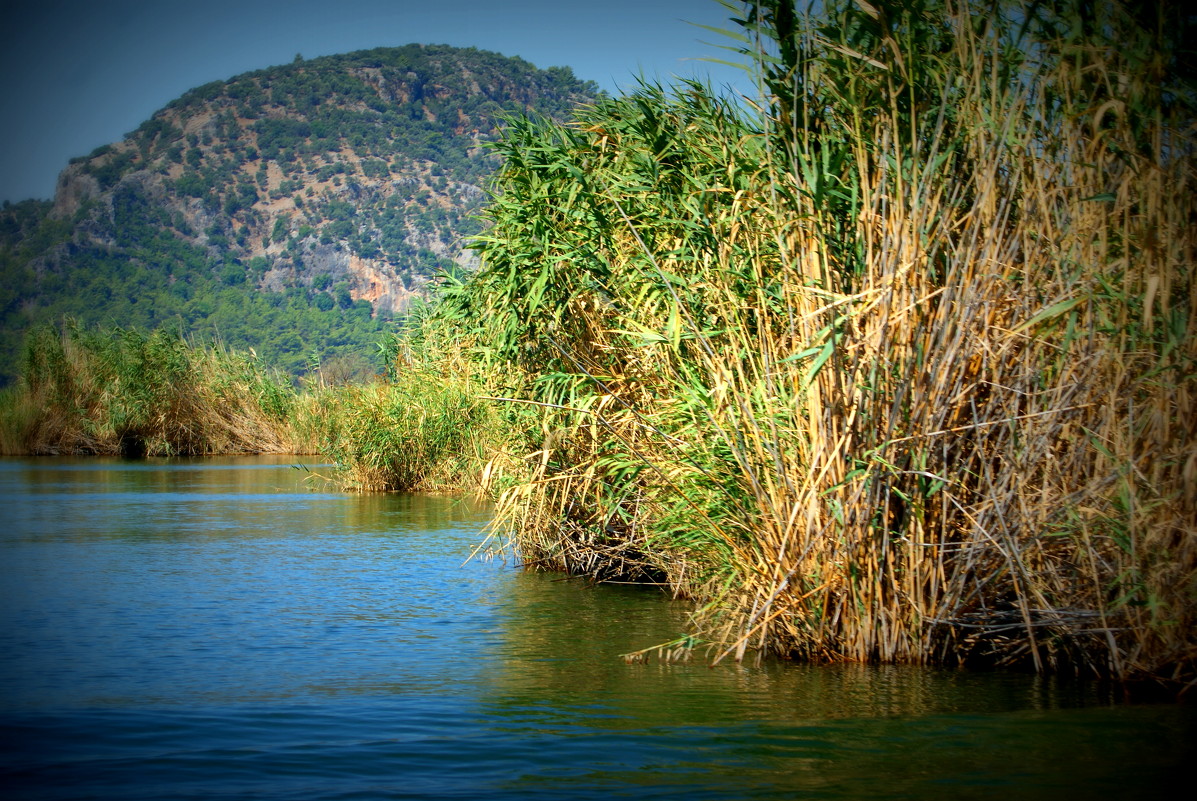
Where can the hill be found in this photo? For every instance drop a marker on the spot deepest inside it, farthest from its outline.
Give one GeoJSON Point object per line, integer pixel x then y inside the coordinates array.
{"type": "Point", "coordinates": [294, 210]}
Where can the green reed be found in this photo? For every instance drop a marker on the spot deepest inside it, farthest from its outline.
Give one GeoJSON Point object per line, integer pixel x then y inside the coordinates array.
{"type": "Point", "coordinates": [423, 429]}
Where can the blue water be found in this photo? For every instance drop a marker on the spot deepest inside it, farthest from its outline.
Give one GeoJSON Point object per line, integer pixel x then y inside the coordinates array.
{"type": "Point", "coordinates": [232, 629]}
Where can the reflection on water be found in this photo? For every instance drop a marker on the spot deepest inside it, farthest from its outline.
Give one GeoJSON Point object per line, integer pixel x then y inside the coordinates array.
{"type": "Point", "coordinates": [190, 629]}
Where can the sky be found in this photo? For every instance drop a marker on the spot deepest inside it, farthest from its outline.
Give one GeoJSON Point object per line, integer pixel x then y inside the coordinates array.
{"type": "Point", "coordinates": [75, 74]}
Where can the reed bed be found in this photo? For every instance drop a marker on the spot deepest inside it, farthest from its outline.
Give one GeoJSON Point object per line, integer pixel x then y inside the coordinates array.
{"type": "Point", "coordinates": [896, 366]}
{"type": "Point", "coordinates": [990, 351]}
{"type": "Point", "coordinates": [132, 393]}
{"type": "Point", "coordinates": [421, 427]}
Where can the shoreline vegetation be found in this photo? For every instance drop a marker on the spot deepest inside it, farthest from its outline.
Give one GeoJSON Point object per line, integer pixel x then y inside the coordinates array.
{"type": "Point", "coordinates": [125, 392]}
{"type": "Point", "coordinates": [896, 366]}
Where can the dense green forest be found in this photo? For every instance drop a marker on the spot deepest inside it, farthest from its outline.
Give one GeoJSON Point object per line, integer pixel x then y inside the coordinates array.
{"type": "Point", "coordinates": [165, 282]}
{"type": "Point", "coordinates": [295, 211]}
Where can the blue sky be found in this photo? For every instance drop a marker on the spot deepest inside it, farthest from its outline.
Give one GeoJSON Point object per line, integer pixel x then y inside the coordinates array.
{"type": "Point", "coordinates": [76, 75]}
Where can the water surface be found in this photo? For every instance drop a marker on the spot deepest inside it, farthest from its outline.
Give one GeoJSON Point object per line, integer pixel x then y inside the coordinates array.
{"type": "Point", "coordinates": [231, 629]}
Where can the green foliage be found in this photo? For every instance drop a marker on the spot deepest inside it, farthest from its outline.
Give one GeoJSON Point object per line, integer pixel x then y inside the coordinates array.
{"type": "Point", "coordinates": [280, 230]}
{"type": "Point", "coordinates": [421, 430]}
{"type": "Point", "coordinates": [171, 283]}
{"type": "Point", "coordinates": [608, 247]}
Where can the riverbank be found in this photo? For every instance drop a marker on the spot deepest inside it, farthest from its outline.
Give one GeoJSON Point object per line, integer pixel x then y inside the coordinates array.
{"type": "Point", "coordinates": [119, 392]}
{"type": "Point", "coordinates": [131, 393]}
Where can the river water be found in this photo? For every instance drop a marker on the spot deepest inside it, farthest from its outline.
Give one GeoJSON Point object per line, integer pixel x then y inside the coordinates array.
{"type": "Point", "coordinates": [229, 628]}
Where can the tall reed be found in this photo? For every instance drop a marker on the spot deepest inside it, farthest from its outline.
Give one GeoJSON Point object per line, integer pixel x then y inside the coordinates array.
{"type": "Point", "coordinates": [998, 443]}
{"type": "Point", "coordinates": [899, 367]}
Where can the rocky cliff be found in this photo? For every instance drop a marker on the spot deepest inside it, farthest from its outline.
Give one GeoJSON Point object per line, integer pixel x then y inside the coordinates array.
{"type": "Point", "coordinates": [365, 168]}
{"type": "Point", "coordinates": [334, 185]}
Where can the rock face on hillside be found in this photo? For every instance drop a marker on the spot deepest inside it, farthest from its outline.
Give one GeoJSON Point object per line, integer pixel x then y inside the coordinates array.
{"type": "Point", "coordinates": [363, 169]}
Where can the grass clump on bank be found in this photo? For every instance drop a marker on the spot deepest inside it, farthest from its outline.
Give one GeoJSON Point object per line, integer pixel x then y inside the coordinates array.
{"type": "Point", "coordinates": [898, 367]}
{"type": "Point", "coordinates": [424, 428]}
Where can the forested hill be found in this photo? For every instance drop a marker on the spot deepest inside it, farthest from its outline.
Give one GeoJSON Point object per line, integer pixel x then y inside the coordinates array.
{"type": "Point", "coordinates": [295, 210]}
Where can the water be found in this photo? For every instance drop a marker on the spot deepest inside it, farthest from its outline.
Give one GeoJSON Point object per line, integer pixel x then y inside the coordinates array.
{"type": "Point", "coordinates": [228, 629]}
